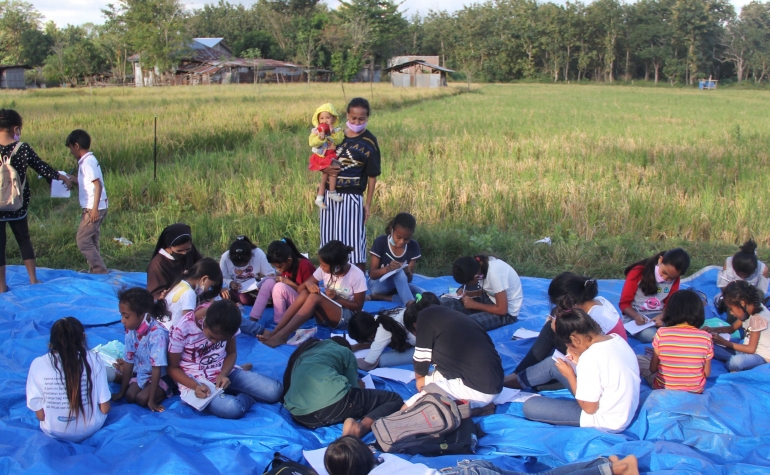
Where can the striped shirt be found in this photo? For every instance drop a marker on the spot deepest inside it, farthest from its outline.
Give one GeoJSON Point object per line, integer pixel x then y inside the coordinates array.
{"type": "Point", "coordinates": [683, 351]}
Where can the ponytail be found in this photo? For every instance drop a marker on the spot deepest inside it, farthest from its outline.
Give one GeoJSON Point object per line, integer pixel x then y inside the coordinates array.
{"type": "Point", "coordinates": [69, 357]}
{"type": "Point", "coordinates": [141, 302]}
{"type": "Point", "coordinates": [745, 261]}
{"type": "Point", "coordinates": [397, 331]}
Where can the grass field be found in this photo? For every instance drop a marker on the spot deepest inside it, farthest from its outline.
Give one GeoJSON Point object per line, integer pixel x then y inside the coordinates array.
{"type": "Point", "coordinates": [611, 174]}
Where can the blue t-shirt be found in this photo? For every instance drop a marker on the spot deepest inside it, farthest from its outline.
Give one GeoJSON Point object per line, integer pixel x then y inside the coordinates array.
{"type": "Point", "coordinates": [382, 249]}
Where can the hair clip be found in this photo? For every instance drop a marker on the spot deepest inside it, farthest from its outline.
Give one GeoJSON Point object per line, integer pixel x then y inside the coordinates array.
{"type": "Point", "coordinates": [418, 297]}
{"type": "Point", "coordinates": [240, 238]}
{"type": "Point", "coordinates": [283, 240]}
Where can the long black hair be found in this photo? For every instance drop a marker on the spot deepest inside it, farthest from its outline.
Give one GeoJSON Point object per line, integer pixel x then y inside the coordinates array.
{"type": "Point", "coordinates": [571, 320]}
{"type": "Point", "coordinates": [68, 351]}
{"type": "Point", "coordinates": [281, 251]}
{"type": "Point", "coordinates": [580, 288]}
{"type": "Point", "coordinates": [425, 300]}
{"type": "Point", "coordinates": [363, 326]}
{"type": "Point", "coordinates": [745, 261]}
{"type": "Point", "coordinates": [307, 345]}
{"type": "Point", "coordinates": [141, 302]}
{"type": "Point", "coordinates": [675, 257]}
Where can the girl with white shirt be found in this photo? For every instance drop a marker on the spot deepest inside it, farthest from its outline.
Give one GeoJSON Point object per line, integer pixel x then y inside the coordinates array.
{"type": "Point", "coordinates": [378, 333]}
{"type": "Point", "coordinates": [202, 282]}
{"type": "Point", "coordinates": [498, 299]}
{"type": "Point", "coordinates": [605, 378]}
{"type": "Point", "coordinates": [584, 291]}
{"type": "Point", "coordinates": [67, 388]}
{"type": "Point", "coordinates": [350, 456]}
{"type": "Point", "coordinates": [240, 264]}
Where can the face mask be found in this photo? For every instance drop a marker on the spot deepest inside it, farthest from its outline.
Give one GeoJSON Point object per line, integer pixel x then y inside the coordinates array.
{"type": "Point", "coordinates": [144, 326]}
{"type": "Point", "coordinates": [178, 256]}
{"type": "Point", "coordinates": [659, 278]}
{"type": "Point", "coordinates": [355, 128]}
{"type": "Point", "coordinates": [17, 136]}
{"type": "Point", "coordinates": [200, 289]}
{"type": "Point", "coordinates": [391, 241]}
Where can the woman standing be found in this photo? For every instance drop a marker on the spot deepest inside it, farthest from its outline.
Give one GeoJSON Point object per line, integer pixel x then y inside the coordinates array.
{"type": "Point", "coordinates": [359, 155]}
{"type": "Point", "coordinates": [21, 156]}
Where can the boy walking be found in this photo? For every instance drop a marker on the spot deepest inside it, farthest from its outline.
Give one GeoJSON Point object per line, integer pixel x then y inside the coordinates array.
{"type": "Point", "coordinates": [93, 199]}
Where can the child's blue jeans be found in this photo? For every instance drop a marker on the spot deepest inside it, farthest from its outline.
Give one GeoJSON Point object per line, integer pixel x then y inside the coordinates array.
{"type": "Point", "coordinates": [560, 412]}
{"type": "Point", "coordinates": [398, 282]}
{"type": "Point", "coordinates": [737, 361]}
{"type": "Point", "coordinates": [600, 466]}
{"type": "Point", "coordinates": [245, 389]}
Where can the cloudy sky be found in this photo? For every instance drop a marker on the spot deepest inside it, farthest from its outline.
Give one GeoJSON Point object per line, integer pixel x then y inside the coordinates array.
{"type": "Point", "coordinates": [76, 12]}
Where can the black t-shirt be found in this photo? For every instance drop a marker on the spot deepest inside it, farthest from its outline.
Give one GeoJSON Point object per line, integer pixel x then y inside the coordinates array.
{"type": "Point", "coordinates": [360, 159]}
{"type": "Point", "coordinates": [381, 249]}
{"type": "Point", "coordinates": [459, 347]}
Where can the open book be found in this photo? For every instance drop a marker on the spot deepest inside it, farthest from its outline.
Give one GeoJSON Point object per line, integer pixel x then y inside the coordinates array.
{"type": "Point", "coordinates": [389, 274]}
{"type": "Point", "coordinates": [323, 294]}
{"type": "Point", "coordinates": [200, 404]}
{"type": "Point", "coordinates": [558, 355]}
{"type": "Point", "coordinates": [248, 286]}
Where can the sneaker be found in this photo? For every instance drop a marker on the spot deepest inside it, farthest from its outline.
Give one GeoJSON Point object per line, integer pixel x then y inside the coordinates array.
{"type": "Point", "coordinates": [334, 196]}
{"type": "Point", "coordinates": [301, 336]}
{"type": "Point", "coordinates": [319, 201]}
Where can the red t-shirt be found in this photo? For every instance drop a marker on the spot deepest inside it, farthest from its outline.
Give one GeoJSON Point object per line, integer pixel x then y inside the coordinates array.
{"type": "Point", "coordinates": [304, 270]}
{"type": "Point", "coordinates": [632, 285]}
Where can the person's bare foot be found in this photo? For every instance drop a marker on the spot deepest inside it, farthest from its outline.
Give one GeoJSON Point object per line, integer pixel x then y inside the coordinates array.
{"type": "Point", "coordinates": [34, 282]}
{"type": "Point", "coordinates": [353, 427]}
{"type": "Point", "coordinates": [382, 298]}
{"type": "Point", "coordinates": [247, 366]}
{"type": "Point", "coordinates": [3, 289]}
{"type": "Point", "coordinates": [626, 466]}
{"type": "Point", "coordinates": [512, 381]}
{"type": "Point", "coordinates": [274, 342]}
{"type": "Point", "coordinates": [265, 335]}
{"type": "Point", "coordinates": [102, 271]}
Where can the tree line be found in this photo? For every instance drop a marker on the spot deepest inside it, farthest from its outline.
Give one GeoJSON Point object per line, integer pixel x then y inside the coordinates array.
{"type": "Point", "coordinates": [677, 41]}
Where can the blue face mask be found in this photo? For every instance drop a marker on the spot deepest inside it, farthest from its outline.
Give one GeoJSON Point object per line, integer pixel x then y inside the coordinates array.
{"type": "Point", "coordinates": [391, 241]}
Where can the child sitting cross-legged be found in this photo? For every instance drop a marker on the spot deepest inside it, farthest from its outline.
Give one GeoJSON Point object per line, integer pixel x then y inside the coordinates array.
{"type": "Point", "coordinates": [681, 351]}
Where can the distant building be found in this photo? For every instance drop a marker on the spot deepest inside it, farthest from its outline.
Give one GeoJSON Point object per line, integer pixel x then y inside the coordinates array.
{"type": "Point", "coordinates": [416, 71]}
{"type": "Point", "coordinates": [12, 76]}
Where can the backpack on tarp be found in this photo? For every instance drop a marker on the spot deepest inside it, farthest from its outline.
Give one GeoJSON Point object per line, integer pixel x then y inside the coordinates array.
{"type": "Point", "coordinates": [433, 425]}
{"type": "Point", "coordinates": [285, 466]}
{"type": "Point", "coordinates": [11, 187]}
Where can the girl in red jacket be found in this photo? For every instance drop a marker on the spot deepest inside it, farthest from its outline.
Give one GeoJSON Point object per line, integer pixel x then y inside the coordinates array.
{"type": "Point", "coordinates": [649, 284]}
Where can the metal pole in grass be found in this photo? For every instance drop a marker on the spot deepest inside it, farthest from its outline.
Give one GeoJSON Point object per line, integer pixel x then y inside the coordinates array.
{"type": "Point", "coordinates": [155, 153]}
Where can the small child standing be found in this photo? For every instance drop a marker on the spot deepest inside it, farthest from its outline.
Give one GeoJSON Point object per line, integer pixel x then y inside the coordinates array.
{"type": "Point", "coordinates": [146, 345]}
{"type": "Point", "coordinates": [324, 138]}
{"type": "Point", "coordinates": [681, 351]}
{"type": "Point", "coordinates": [93, 199]}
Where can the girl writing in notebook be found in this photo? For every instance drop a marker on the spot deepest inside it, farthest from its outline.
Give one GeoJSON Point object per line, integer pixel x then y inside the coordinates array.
{"type": "Point", "coordinates": [202, 349]}
{"type": "Point", "coordinates": [394, 259]}
{"type": "Point", "coordinates": [344, 293]}
{"type": "Point", "coordinates": [244, 262]}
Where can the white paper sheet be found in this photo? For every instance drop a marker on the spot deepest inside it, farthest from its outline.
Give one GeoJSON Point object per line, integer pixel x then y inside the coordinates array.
{"type": "Point", "coordinates": [522, 397]}
{"type": "Point", "coordinates": [316, 460]}
{"type": "Point", "coordinates": [523, 333]}
{"type": "Point", "coordinates": [506, 396]}
{"type": "Point", "coordinates": [632, 327]}
{"type": "Point", "coordinates": [58, 190]}
{"type": "Point", "coordinates": [387, 276]}
{"type": "Point", "coordinates": [198, 403]}
{"type": "Point", "coordinates": [402, 375]}
{"type": "Point", "coordinates": [249, 286]}
{"type": "Point", "coordinates": [558, 355]}
{"type": "Point", "coordinates": [329, 299]}
{"type": "Point", "coordinates": [452, 296]}
{"type": "Point", "coordinates": [359, 353]}
{"type": "Point", "coordinates": [368, 381]}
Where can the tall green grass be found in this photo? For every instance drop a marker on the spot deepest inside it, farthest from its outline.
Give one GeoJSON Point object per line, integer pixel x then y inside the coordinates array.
{"type": "Point", "coordinates": [610, 174]}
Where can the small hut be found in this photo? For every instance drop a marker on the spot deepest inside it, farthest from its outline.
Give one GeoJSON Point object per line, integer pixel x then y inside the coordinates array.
{"type": "Point", "coordinates": [415, 71]}
{"type": "Point", "coordinates": [12, 76]}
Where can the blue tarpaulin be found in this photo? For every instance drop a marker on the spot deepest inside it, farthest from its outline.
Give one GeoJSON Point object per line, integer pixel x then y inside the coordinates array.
{"type": "Point", "coordinates": [724, 430]}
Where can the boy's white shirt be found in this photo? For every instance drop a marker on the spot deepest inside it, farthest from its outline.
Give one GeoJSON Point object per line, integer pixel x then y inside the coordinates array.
{"type": "Point", "coordinates": [88, 172]}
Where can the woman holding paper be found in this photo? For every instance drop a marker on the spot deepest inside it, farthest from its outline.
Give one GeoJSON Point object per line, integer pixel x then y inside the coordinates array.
{"type": "Point", "coordinates": [648, 285]}
{"type": "Point", "coordinates": [394, 258]}
{"type": "Point", "coordinates": [321, 388]}
{"type": "Point", "coordinates": [20, 155]}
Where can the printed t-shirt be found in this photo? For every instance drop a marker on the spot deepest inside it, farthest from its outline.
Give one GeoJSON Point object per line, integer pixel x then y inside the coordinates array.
{"type": "Point", "coordinates": [501, 277]}
{"type": "Point", "coordinates": [383, 336]}
{"type": "Point", "coordinates": [459, 347]}
{"type": "Point", "coordinates": [201, 358]}
{"type": "Point", "coordinates": [346, 286]}
{"type": "Point", "coordinates": [256, 268]}
{"type": "Point", "coordinates": [759, 323]}
{"type": "Point", "coordinates": [608, 373]}
{"type": "Point", "coordinates": [88, 172]}
{"type": "Point", "coordinates": [322, 375]}
{"type": "Point", "coordinates": [632, 295]}
{"type": "Point", "coordinates": [182, 297]}
{"type": "Point", "coordinates": [382, 249]}
{"type": "Point", "coordinates": [47, 390]}
{"type": "Point", "coordinates": [360, 159]}
{"type": "Point", "coordinates": [146, 350]}
{"type": "Point", "coordinates": [683, 351]}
